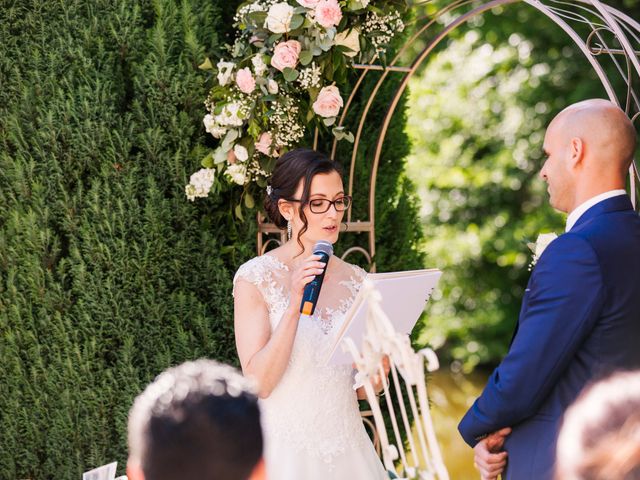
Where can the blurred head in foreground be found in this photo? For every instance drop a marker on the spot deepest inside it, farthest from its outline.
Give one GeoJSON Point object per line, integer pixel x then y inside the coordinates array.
{"type": "Point", "coordinates": [197, 421]}
{"type": "Point", "coordinates": [600, 435]}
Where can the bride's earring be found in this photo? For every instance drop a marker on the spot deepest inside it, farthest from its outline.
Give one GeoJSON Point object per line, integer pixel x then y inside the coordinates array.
{"type": "Point", "coordinates": [289, 230]}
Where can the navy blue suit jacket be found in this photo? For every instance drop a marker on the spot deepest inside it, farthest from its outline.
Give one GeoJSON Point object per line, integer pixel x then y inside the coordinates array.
{"type": "Point", "coordinates": [580, 319]}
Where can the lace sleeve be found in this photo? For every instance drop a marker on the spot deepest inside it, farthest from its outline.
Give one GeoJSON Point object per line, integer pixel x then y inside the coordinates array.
{"type": "Point", "coordinates": [249, 272]}
{"type": "Point", "coordinates": [265, 272]}
{"type": "Point", "coordinates": [359, 273]}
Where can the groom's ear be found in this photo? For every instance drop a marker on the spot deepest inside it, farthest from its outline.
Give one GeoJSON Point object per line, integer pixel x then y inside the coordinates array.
{"type": "Point", "coordinates": [576, 152]}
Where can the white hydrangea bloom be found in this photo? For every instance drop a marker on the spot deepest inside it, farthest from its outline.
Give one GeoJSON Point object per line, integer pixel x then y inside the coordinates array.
{"type": "Point", "coordinates": [229, 116]}
{"type": "Point", "coordinates": [200, 183]}
{"type": "Point", "coordinates": [237, 173]}
{"type": "Point", "coordinates": [212, 127]}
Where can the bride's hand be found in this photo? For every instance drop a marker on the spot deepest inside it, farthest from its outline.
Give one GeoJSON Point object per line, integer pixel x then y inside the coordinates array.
{"type": "Point", "coordinates": [377, 381]}
{"type": "Point", "coordinates": [303, 275]}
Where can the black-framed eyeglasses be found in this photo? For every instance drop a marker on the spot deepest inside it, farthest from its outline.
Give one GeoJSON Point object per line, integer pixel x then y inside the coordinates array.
{"type": "Point", "coordinates": [322, 205]}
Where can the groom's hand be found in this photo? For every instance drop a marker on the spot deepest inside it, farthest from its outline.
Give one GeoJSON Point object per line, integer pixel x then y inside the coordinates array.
{"type": "Point", "coordinates": [489, 458]}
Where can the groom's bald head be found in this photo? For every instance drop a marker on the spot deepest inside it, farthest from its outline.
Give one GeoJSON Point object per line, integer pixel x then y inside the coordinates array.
{"type": "Point", "coordinates": [589, 147]}
{"type": "Point", "coordinates": [605, 128]}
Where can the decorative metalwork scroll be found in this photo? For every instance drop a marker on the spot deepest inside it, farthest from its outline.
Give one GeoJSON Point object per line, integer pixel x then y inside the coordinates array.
{"type": "Point", "coordinates": [604, 35]}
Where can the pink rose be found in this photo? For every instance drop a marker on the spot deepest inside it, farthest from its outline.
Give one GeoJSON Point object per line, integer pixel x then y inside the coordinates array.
{"type": "Point", "coordinates": [264, 144]}
{"type": "Point", "coordinates": [328, 13]}
{"type": "Point", "coordinates": [245, 80]}
{"type": "Point", "coordinates": [285, 54]}
{"type": "Point", "coordinates": [329, 102]}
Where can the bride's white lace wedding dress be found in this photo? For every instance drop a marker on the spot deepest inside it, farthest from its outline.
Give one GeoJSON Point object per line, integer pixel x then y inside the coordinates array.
{"type": "Point", "coordinates": [312, 425]}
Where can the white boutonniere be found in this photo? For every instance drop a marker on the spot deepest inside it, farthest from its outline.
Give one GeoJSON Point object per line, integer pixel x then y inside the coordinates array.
{"type": "Point", "coordinates": [543, 241]}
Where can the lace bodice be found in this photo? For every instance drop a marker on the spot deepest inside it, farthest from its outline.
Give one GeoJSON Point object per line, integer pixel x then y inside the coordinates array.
{"type": "Point", "coordinates": [314, 406]}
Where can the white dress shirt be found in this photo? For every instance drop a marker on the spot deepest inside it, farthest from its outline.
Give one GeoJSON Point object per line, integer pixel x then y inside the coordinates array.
{"type": "Point", "coordinates": [577, 212]}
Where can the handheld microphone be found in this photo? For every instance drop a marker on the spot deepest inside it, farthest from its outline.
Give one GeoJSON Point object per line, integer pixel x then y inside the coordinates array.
{"type": "Point", "coordinates": [312, 290]}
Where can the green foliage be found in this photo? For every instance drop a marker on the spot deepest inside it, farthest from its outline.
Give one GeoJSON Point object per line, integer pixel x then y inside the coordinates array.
{"type": "Point", "coordinates": [108, 275]}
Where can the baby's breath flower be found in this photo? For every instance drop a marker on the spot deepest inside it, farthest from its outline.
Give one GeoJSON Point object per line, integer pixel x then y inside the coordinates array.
{"type": "Point", "coordinates": [310, 77]}
{"type": "Point", "coordinates": [382, 28]}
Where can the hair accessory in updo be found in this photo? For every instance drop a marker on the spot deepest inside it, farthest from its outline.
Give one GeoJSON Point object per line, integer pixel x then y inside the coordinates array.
{"type": "Point", "coordinates": [269, 190]}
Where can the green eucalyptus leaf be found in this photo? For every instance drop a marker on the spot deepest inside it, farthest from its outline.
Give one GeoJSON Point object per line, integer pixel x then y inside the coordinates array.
{"type": "Point", "coordinates": [329, 121]}
{"type": "Point", "coordinates": [257, 18]}
{"type": "Point", "coordinates": [340, 133]}
{"type": "Point", "coordinates": [306, 57]}
{"type": "Point", "coordinates": [238, 212]}
{"type": "Point", "coordinates": [274, 38]}
{"type": "Point", "coordinates": [296, 22]}
{"type": "Point", "coordinates": [290, 74]}
{"type": "Point", "coordinates": [248, 201]}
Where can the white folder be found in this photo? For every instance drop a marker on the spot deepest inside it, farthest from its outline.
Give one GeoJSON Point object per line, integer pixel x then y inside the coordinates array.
{"type": "Point", "coordinates": [404, 296]}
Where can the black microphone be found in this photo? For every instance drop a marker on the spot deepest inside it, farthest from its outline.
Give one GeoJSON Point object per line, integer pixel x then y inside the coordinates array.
{"type": "Point", "coordinates": [312, 290]}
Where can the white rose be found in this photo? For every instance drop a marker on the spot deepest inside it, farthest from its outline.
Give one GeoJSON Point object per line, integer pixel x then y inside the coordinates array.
{"type": "Point", "coordinates": [241, 153]}
{"type": "Point", "coordinates": [308, 3]}
{"type": "Point", "coordinates": [225, 71]}
{"type": "Point", "coordinates": [350, 40]}
{"type": "Point", "coordinates": [237, 173]}
{"type": "Point", "coordinates": [279, 18]}
{"type": "Point", "coordinates": [272, 86]}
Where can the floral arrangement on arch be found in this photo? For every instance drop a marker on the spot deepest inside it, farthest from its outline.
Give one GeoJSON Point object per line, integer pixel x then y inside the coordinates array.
{"type": "Point", "coordinates": [280, 79]}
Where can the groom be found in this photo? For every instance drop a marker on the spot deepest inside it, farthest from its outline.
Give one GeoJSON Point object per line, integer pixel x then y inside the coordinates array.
{"type": "Point", "coordinates": [580, 315]}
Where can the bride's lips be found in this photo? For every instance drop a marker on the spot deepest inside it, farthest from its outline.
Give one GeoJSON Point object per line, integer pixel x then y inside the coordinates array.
{"type": "Point", "coordinates": [331, 229]}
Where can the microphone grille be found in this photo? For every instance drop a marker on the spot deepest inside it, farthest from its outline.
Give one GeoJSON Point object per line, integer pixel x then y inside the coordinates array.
{"type": "Point", "coordinates": [322, 246]}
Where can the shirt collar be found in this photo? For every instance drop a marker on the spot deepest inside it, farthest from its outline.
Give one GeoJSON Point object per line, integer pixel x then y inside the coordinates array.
{"type": "Point", "coordinates": [575, 215]}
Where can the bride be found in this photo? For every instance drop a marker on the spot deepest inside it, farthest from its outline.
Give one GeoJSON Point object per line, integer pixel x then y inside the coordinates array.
{"type": "Point", "coordinates": [310, 415]}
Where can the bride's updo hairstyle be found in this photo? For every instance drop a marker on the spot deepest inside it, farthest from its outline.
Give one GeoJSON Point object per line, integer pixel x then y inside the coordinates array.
{"type": "Point", "coordinates": [300, 164]}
